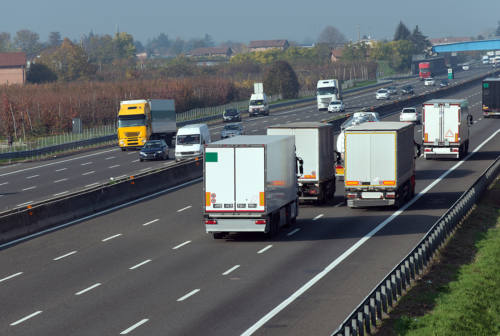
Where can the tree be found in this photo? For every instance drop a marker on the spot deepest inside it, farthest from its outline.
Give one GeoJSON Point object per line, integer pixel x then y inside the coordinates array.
{"type": "Point", "coordinates": [331, 36]}
{"type": "Point", "coordinates": [55, 39]}
{"type": "Point", "coordinates": [5, 42]}
{"type": "Point", "coordinates": [281, 79]}
{"type": "Point", "coordinates": [159, 45]}
{"type": "Point", "coordinates": [419, 40]}
{"type": "Point", "coordinates": [28, 41]}
{"type": "Point", "coordinates": [40, 73]}
{"type": "Point", "coordinates": [402, 32]}
{"type": "Point", "coordinates": [124, 45]}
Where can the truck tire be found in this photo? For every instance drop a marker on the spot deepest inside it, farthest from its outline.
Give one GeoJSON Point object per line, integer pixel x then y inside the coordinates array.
{"type": "Point", "coordinates": [124, 149]}
{"type": "Point", "coordinates": [274, 220]}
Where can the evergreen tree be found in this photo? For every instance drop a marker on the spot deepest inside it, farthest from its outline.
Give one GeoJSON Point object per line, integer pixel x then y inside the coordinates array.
{"type": "Point", "coordinates": [402, 32]}
{"type": "Point", "coordinates": [281, 79]}
{"type": "Point", "coordinates": [419, 40]}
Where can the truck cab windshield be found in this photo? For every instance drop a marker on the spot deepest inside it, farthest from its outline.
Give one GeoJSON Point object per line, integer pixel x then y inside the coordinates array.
{"type": "Point", "coordinates": [188, 139]}
{"type": "Point", "coordinates": [256, 102]}
{"type": "Point", "coordinates": [131, 120]}
{"type": "Point", "coordinates": [327, 91]}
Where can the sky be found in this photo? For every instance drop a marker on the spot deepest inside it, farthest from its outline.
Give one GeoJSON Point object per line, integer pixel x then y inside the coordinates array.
{"type": "Point", "coordinates": [243, 21]}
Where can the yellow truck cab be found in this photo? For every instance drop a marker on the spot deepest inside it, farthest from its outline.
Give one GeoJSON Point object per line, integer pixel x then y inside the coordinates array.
{"type": "Point", "coordinates": [134, 123]}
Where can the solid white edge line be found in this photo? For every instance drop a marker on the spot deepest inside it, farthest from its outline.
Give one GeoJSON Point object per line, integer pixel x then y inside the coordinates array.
{"type": "Point", "coordinates": [88, 289]}
{"type": "Point", "coordinates": [99, 213]}
{"type": "Point", "coordinates": [318, 217]}
{"type": "Point", "coordinates": [11, 276]}
{"type": "Point", "coordinates": [151, 222]}
{"type": "Point", "coordinates": [354, 247]}
{"type": "Point", "coordinates": [138, 324]}
{"type": "Point", "coordinates": [191, 293]}
{"type": "Point", "coordinates": [26, 318]}
{"type": "Point", "coordinates": [185, 208]}
{"type": "Point", "coordinates": [140, 264]}
{"type": "Point", "coordinates": [231, 269]}
{"type": "Point", "coordinates": [25, 203]}
{"type": "Point", "coordinates": [264, 249]}
{"type": "Point", "coordinates": [181, 245]}
{"type": "Point", "coordinates": [61, 193]}
{"type": "Point", "coordinates": [112, 237]}
{"type": "Point", "coordinates": [291, 233]}
{"type": "Point", "coordinates": [53, 163]}
{"type": "Point", "coordinates": [64, 255]}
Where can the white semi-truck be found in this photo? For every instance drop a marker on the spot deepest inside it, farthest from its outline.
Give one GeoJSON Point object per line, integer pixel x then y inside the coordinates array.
{"type": "Point", "coordinates": [445, 128]}
{"type": "Point", "coordinates": [326, 91]}
{"type": "Point", "coordinates": [314, 145]}
{"type": "Point", "coordinates": [379, 162]}
{"type": "Point", "coordinates": [250, 184]}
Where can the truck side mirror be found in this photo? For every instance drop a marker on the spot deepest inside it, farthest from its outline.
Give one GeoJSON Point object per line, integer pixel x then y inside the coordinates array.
{"type": "Point", "coordinates": [300, 163]}
{"type": "Point", "coordinates": [470, 119]}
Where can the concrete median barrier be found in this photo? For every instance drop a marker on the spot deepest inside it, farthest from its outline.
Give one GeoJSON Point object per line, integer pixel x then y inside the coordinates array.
{"type": "Point", "coordinates": [18, 223]}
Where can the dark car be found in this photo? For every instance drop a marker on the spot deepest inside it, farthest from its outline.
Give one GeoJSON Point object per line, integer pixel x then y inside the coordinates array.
{"type": "Point", "coordinates": [408, 89]}
{"type": "Point", "coordinates": [154, 150]}
{"type": "Point", "coordinates": [231, 130]}
{"type": "Point", "coordinates": [443, 83]}
{"type": "Point", "coordinates": [231, 114]}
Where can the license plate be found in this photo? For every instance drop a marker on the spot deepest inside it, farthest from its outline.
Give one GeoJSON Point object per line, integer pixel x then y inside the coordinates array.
{"type": "Point", "coordinates": [441, 150]}
{"type": "Point", "coordinates": [372, 194]}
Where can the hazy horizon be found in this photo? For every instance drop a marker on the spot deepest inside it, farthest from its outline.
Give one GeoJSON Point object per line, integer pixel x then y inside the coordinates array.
{"type": "Point", "coordinates": [259, 20]}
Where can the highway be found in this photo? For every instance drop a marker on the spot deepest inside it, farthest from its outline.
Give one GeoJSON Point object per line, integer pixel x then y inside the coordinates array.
{"type": "Point", "coordinates": [24, 183]}
{"type": "Point", "coordinates": [149, 269]}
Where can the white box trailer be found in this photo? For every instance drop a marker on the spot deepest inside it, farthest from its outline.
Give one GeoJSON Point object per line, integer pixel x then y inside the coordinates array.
{"type": "Point", "coordinates": [445, 128]}
{"type": "Point", "coordinates": [250, 184]}
{"type": "Point", "coordinates": [314, 144]}
{"type": "Point", "coordinates": [379, 163]}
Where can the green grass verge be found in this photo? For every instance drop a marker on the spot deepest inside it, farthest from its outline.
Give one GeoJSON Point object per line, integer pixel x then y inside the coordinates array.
{"type": "Point", "coordinates": [460, 295]}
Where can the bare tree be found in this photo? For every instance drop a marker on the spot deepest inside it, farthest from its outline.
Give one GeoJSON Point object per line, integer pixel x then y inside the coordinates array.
{"type": "Point", "coordinates": [331, 36]}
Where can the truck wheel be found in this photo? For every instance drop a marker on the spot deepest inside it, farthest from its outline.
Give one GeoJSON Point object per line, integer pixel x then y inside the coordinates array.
{"type": "Point", "coordinates": [218, 235]}
{"type": "Point", "coordinates": [274, 220]}
{"type": "Point", "coordinates": [124, 149]}
{"type": "Point", "coordinates": [141, 160]}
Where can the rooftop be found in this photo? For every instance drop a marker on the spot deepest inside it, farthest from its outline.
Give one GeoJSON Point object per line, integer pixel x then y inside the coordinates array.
{"type": "Point", "coordinates": [12, 59]}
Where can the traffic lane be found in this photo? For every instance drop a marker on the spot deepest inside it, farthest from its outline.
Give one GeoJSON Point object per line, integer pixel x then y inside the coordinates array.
{"type": "Point", "coordinates": [324, 307]}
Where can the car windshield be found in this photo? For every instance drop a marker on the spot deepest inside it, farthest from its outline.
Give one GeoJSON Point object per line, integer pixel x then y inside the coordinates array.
{"type": "Point", "coordinates": [232, 127]}
{"type": "Point", "coordinates": [231, 112]}
{"type": "Point", "coordinates": [335, 102]}
{"type": "Point", "coordinates": [409, 110]}
{"type": "Point", "coordinates": [152, 145]}
{"type": "Point", "coordinates": [326, 91]}
{"type": "Point", "coordinates": [382, 91]}
{"type": "Point", "coordinates": [256, 102]}
{"type": "Point", "coordinates": [188, 139]}
{"type": "Point", "coordinates": [132, 120]}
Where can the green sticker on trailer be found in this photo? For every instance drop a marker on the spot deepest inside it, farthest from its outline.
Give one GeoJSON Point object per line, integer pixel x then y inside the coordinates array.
{"type": "Point", "coordinates": [211, 157]}
{"type": "Point", "coordinates": [486, 85]}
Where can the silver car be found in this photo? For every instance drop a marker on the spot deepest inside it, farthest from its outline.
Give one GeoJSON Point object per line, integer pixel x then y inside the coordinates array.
{"type": "Point", "coordinates": [382, 94]}
{"type": "Point", "coordinates": [231, 130]}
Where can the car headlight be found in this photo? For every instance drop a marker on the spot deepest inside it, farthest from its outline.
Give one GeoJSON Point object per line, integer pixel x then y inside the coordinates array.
{"type": "Point", "coordinates": [143, 140]}
{"type": "Point", "coordinates": [122, 142]}
{"type": "Point", "coordinates": [142, 154]}
{"type": "Point", "coordinates": [158, 152]}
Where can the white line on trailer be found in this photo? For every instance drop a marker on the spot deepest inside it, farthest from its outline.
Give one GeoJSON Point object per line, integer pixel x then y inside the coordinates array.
{"type": "Point", "coordinates": [181, 245]}
{"type": "Point", "coordinates": [88, 289]}
{"type": "Point", "coordinates": [151, 222]}
{"type": "Point", "coordinates": [138, 324]}
{"type": "Point", "coordinates": [140, 264]}
{"type": "Point", "coordinates": [318, 217]}
{"type": "Point", "coordinates": [61, 180]}
{"type": "Point", "coordinates": [193, 292]}
{"type": "Point", "coordinates": [26, 318]}
{"type": "Point", "coordinates": [291, 233]}
{"type": "Point", "coordinates": [231, 269]}
{"type": "Point", "coordinates": [112, 237]}
{"type": "Point", "coordinates": [11, 276]}
{"type": "Point", "coordinates": [185, 208]}
{"type": "Point", "coordinates": [265, 249]}
{"type": "Point", "coordinates": [64, 255]}
{"type": "Point", "coordinates": [357, 245]}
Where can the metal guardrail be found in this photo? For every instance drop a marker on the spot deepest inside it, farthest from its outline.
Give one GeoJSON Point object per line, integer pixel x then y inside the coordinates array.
{"type": "Point", "coordinates": [363, 320]}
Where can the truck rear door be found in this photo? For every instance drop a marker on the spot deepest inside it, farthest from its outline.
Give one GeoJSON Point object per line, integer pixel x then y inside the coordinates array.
{"type": "Point", "coordinates": [250, 179]}
{"type": "Point", "coordinates": [219, 179]}
{"type": "Point", "coordinates": [432, 123]}
{"type": "Point", "coordinates": [451, 119]}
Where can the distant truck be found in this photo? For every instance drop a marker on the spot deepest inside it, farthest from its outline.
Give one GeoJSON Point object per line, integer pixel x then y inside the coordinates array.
{"type": "Point", "coordinates": [142, 120]}
{"type": "Point", "coordinates": [445, 128]}
{"type": "Point", "coordinates": [379, 164]}
{"type": "Point", "coordinates": [258, 104]}
{"type": "Point", "coordinates": [491, 97]}
{"type": "Point", "coordinates": [431, 67]}
{"type": "Point", "coordinates": [326, 91]}
{"type": "Point", "coordinates": [250, 184]}
{"type": "Point", "coordinates": [314, 144]}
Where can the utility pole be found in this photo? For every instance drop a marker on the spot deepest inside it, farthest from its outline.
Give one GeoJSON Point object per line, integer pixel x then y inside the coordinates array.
{"type": "Point", "coordinates": [359, 32]}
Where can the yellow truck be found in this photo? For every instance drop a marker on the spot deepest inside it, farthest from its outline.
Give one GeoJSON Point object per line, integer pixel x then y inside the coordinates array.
{"type": "Point", "coordinates": [142, 120]}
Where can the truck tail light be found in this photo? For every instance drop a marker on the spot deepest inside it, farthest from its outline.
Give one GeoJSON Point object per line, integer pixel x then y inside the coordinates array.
{"type": "Point", "coordinates": [313, 192]}
{"type": "Point", "coordinates": [389, 182]}
{"type": "Point", "coordinates": [454, 150]}
{"type": "Point", "coordinates": [262, 198]}
{"type": "Point", "coordinates": [427, 149]}
{"type": "Point", "coordinates": [210, 222]}
{"type": "Point", "coordinates": [426, 137]}
{"type": "Point", "coordinates": [260, 221]}
{"type": "Point", "coordinates": [485, 107]}
{"type": "Point", "coordinates": [390, 194]}
{"type": "Point", "coordinates": [351, 195]}
{"type": "Point", "coordinates": [352, 183]}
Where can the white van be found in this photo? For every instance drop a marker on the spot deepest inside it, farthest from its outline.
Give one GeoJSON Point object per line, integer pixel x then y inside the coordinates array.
{"type": "Point", "coordinates": [189, 141]}
{"type": "Point", "coordinates": [258, 105]}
